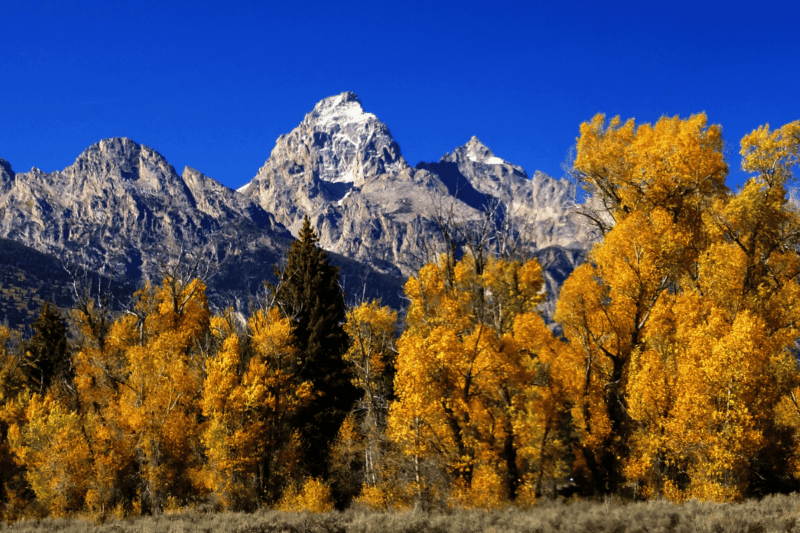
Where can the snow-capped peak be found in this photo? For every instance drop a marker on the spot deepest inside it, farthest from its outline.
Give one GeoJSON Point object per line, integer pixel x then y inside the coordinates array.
{"type": "Point", "coordinates": [478, 152]}
{"type": "Point", "coordinates": [342, 108]}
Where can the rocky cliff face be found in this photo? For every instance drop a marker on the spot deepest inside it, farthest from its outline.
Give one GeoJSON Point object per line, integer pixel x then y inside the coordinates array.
{"type": "Point", "coordinates": [342, 168]}
{"type": "Point", "coordinates": [121, 209]}
{"type": "Point", "coordinates": [336, 148]}
{"type": "Point", "coordinates": [543, 205]}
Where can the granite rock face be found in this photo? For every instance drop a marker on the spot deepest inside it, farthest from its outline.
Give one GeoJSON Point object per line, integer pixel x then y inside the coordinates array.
{"type": "Point", "coordinates": [544, 205]}
{"type": "Point", "coordinates": [336, 148]}
{"type": "Point", "coordinates": [342, 168]}
{"type": "Point", "coordinates": [121, 209]}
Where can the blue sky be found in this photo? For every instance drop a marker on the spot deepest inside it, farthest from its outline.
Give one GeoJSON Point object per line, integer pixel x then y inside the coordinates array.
{"type": "Point", "coordinates": [212, 85]}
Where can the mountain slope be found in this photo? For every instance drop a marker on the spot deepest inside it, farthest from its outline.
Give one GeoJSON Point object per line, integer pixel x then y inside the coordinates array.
{"type": "Point", "coordinates": [28, 278]}
{"type": "Point", "coordinates": [342, 168]}
{"type": "Point", "coordinates": [122, 211]}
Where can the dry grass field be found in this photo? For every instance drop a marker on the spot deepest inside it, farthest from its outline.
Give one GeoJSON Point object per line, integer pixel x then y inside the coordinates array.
{"type": "Point", "coordinates": [779, 513]}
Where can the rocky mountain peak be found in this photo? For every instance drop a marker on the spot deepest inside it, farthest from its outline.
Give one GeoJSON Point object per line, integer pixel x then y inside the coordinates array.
{"type": "Point", "coordinates": [474, 151]}
{"type": "Point", "coordinates": [336, 148]}
{"type": "Point", "coordinates": [123, 211]}
{"type": "Point", "coordinates": [351, 144]}
{"type": "Point", "coordinates": [5, 169]}
{"type": "Point", "coordinates": [477, 151]}
{"type": "Point", "coordinates": [122, 162]}
{"type": "Point", "coordinates": [342, 108]}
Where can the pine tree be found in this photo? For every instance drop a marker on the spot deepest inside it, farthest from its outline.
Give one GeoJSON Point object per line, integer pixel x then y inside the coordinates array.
{"type": "Point", "coordinates": [309, 293]}
{"type": "Point", "coordinates": [46, 357]}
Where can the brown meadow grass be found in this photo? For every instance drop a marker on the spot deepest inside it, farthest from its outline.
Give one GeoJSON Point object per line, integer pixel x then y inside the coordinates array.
{"type": "Point", "coordinates": [777, 513]}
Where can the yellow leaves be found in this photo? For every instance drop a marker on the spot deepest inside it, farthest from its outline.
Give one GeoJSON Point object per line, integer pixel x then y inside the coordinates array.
{"type": "Point", "coordinates": [464, 364]}
{"type": "Point", "coordinates": [246, 401]}
{"type": "Point", "coordinates": [771, 154]}
{"type": "Point", "coordinates": [487, 490]}
{"type": "Point", "coordinates": [676, 165]}
{"type": "Point", "coordinates": [371, 330]}
{"type": "Point", "coordinates": [52, 446]}
{"type": "Point", "coordinates": [682, 314]}
{"type": "Point", "coordinates": [373, 499]}
{"type": "Point", "coordinates": [143, 384]}
{"type": "Point", "coordinates": [314, 497]}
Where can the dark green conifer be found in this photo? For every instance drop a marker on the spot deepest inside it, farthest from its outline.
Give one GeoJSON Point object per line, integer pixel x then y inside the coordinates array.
{"type": "Point", "coordinates": [309, 292]}
{"type": "Point", "coordinates": [45, 358]}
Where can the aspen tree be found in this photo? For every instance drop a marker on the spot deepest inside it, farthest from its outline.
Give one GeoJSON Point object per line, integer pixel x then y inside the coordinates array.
{"type": "Point", "coordinates": [52, 446]}
{"type": "Point", "coordinates": [140, 385]}
{"type": "Point", "coordinates": [361, 445]}
{"type": "Point", "coordinates": [100, 374]}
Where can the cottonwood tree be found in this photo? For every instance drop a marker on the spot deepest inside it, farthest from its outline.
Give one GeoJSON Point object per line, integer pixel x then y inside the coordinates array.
{"type": "Point", "coordinates": [361, 451]}
{"type": "Point", "coordinates": [654, 182]}
{"type": "Point", "coordinates": [679, 324]}
{"type": "Point", "coordinates": [459, 375]}
{"type": "Point", "coordinates": [735, 332]}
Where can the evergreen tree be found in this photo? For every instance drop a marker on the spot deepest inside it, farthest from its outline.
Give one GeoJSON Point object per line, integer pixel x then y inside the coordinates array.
{"type": "Point", "coordinates": [309, 293]}
{"type": "Point", "coordinates": [46, 358]}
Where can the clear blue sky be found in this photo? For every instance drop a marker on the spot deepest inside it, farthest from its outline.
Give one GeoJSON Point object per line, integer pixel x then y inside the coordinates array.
{"type": "Point", "coordinates": [212, 85]}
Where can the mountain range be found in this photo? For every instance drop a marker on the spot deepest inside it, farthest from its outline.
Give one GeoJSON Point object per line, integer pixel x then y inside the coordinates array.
{"type": "Point", "coordinates": [122, 213]}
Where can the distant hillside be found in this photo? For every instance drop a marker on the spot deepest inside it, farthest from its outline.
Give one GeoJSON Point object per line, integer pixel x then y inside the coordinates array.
{"type": "Point", "coordinates": [28, 278]}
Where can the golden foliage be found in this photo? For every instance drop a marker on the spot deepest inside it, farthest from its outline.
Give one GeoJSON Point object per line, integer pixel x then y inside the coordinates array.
{"type": "Point", "coordinates": [50, 442]}
{"type": "Point", "coordinates": [459, 370]}
{"type": "Point", "coordinates": [676, 375]}
{"type": "Point", "coordinates": [244, 408]}
{"type": "Point", "coordinates": [681, 322]}
{"type": "Point", "coordinates": [314, 497]}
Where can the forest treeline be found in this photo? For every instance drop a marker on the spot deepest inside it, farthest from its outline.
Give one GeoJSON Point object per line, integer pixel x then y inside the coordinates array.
{"type": "Point", "coordinates": [673, 373]}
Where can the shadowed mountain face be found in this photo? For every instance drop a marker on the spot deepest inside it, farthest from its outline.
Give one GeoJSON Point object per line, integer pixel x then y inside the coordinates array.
{"type": "Point", "coordinates": [123, 212]}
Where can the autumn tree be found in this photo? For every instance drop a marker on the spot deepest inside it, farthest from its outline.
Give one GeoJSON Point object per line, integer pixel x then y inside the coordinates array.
{"type": "Point", "coordinates": [459, 375]}
{"type": "Point", "coordinates": [42, 430]}
{"type": "Point", "coordinates": [101, 371]}
{"type": "Point", "coordinates": [248, 402]}
{"type": "Point", "coordinates": [361, 447]}
{"type": "Point", "coordinates": [680, 324]}
{"type": "Point", "coordinates": [737, 329]}
{"type": "Point", "coordinates": [308, 292]}
{"type": "Point", "coordinates": [15, 492]}
{"type": "Point", "coordinates": [139, 385]}
{"type": "Point", "coordinates": [652, 183]}
{"type": "Point", "coordinates": [49, 441]}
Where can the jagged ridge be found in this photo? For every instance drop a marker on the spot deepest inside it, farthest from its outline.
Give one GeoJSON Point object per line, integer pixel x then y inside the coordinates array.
{"type": "Point", "coordinates": [123, 211]}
